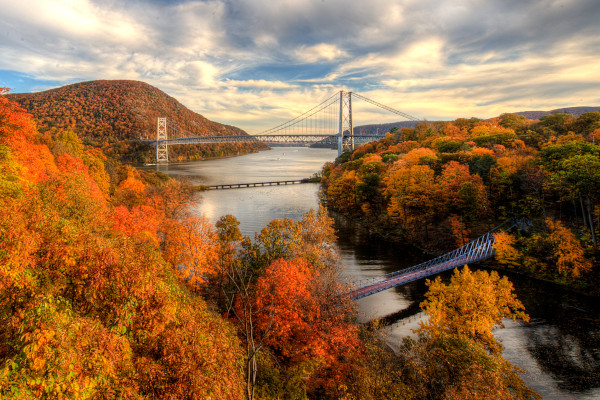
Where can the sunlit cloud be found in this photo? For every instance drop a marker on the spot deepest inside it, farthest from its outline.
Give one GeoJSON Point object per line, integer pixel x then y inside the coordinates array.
{"type": "Point", "coordinates": [255, 65]}
{"type": "Point", "coordinates": [319, 52]}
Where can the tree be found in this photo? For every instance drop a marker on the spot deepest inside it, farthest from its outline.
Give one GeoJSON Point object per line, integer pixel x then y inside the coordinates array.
{"type": "Point", "coordinates": [379, 371]}
{"type": "Point", "coordinates": [512, 121]}
{"type": "Point", "coordinates": [245, 312]}
{"type": "Point", "coordinates": [191, 245]}
{"type": "Point", "coordinates": [460, 192]}
{"type": "Point", "coordinates": [230, 239]}
{"type": "Point", "coordinates": [568, 253]}
{"type": "Point", "coordinates": [341, 191]}
{"type": "Point", "coordinates": [411, 191]}
{"type": "Point", "coordinates": [506, 252]}
{"type": "Point", "coordinates": [318, 240]}
{"type": "Point", "coordinates": [471, 305]}
{"type": "Point", "coordinates": [582, 174]}
{"type": "Point", "coordinates": [446, 366]}
{"type": "Point", "coordinates": [558, 122]}
{"type": "Point", "coordinates": [308, 325]}
{"type": "Point", "coordinates": [455, 355]}
{"type": "Point", "coordinates": [88, 306]}
{"type": "Point", "coordinates": [575, 167]}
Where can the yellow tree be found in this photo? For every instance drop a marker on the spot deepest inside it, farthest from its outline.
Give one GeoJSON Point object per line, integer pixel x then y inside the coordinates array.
{"type": "Point", "coordinates": [410, 189]}
{"type": "Point", "coordinates": [318, 240]}
{"type": "Point", "coordinates": [341, 191]}
{"type": "Point", "coordinates": [455, 356]}
{"type": "Point", "coordinates": [506, 253]}
{"type": "Point", "coordinates": [471, 305]}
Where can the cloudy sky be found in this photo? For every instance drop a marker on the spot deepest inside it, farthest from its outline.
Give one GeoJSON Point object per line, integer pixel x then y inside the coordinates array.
{"type": "Point", "coordinates": [256, 63]}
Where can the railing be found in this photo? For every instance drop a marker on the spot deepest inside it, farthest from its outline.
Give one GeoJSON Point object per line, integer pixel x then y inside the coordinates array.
{"type": "Point", "coordinates": [476, 250]}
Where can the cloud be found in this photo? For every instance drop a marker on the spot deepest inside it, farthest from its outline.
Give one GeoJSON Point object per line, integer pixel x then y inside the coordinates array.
{"type": "Point", "coordinates": [251, 63]}
{"type": "Point", "coordinates": [259, 84]}
{"type": "Point", "coordinates": [319, 52]}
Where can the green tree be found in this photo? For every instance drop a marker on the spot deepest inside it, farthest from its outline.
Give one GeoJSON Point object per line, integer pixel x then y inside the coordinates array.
{"type": "Point", "coordinates": [575, 167]}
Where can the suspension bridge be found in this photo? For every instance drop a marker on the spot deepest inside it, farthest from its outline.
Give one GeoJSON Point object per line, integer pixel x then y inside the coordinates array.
{"type": "Point", "coordinates": [330, 124]}
{"type": "Point", "coordinates": [476, 250]}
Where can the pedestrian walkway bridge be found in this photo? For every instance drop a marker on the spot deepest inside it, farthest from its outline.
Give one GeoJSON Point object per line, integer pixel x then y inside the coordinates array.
{"type": "Point", "coordinates": [476, 250]}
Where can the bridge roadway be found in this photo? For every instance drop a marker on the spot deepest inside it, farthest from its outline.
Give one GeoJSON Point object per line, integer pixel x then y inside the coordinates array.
{"type": "Point", "coordinates": [406, 278]}
{"type": "Point", "coordinates": [301, 140]}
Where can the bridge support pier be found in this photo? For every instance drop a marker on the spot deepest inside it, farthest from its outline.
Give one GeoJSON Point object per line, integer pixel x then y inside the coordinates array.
{"type": "Point", "coordinates": [162, 151]}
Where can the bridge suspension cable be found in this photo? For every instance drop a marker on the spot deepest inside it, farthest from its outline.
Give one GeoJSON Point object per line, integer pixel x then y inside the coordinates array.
{"type": "Point", "coordinates": [390, 109]}
{"type": "Point", "coordinates": [304, 116]}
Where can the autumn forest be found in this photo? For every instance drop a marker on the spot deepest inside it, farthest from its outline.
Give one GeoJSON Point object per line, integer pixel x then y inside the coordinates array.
{"type": "Point", "coordinates": [110, 287]}
{"type": "Point", "coordinates": [441, 184]}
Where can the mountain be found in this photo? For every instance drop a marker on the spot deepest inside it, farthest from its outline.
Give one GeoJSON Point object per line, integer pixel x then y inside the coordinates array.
{"type": "Point", "coordinates": [575, 111]}
{"type": "Point", "coordinates": [113, 114]}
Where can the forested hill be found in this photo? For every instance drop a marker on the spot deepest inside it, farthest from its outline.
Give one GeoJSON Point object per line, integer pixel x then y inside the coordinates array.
{"type": "Point", "coordinates": [574, 111]}
{"type": "Point", "coordinates": [109, 113]}
{"type": "Point", "coordinates": [374, 129]}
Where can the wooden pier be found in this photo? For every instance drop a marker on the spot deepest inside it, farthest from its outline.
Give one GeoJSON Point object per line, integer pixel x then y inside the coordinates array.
{"type": "Point", "coordinates": [255, 184]}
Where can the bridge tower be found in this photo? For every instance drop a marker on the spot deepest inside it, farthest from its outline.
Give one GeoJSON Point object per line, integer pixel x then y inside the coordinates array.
{"type": "Point", "coordinates": [345, 143]}
{"type": "Point", "coordinates": [162, 152]}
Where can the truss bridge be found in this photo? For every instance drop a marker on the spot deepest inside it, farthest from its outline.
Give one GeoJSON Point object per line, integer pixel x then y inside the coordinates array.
{"type": "Point", "coordinates": [476, 250]}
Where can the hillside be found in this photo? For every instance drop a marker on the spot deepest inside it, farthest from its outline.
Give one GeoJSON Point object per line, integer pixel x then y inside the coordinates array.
{"type": "Point", "coordinates": [109, 114]}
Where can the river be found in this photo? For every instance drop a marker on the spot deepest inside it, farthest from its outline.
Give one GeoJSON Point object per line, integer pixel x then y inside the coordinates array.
{"type": "Point", "coordinates": [559, 348]}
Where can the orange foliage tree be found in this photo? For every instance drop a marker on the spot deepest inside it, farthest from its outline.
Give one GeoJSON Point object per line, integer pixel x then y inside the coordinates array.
{"type": "Point", "coordinates": [568, 252]}
{"type": "Point", "coordinates": [305, 320]}
{"type": "Point", "coordinates": [192, 246]}
{"type": "Point", "coordinates": [89, 308]}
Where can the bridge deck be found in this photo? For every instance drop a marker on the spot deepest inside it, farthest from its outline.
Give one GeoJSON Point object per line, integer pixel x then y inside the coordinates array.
{"type": "Point", "coordinates": [254, 184]}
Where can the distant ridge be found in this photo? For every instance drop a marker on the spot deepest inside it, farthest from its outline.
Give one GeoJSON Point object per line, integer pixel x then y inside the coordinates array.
{"type": "Point", "coordinates": [110, 113]}
{"type": "Point", "coordinates": [372, 129]}
{"type": "Point", "coordinates": [575, 111]}
{"type": "Point", "coordinates": [381, 129]}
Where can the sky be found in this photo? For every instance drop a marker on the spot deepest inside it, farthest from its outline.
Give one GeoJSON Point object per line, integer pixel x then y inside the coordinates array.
{"type": "Point", "coordinates": [257, 63]}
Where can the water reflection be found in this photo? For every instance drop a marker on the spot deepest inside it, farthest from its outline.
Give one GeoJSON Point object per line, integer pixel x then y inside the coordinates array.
{"type": "Point", "coordinates": [564, 334]}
